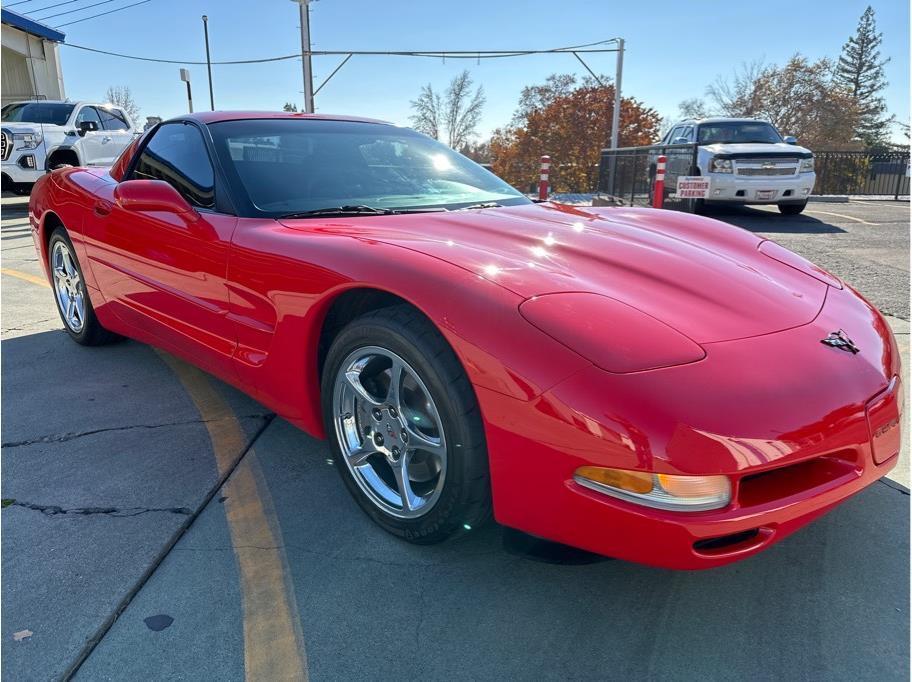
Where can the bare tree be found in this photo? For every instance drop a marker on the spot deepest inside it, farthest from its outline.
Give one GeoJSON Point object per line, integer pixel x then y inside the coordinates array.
{"type": "Point", "coordinates": [463, 110]}
{"type": "Point", "coordinates": [427, 108]}
{"type": "Point", "coordinates": [737, 96]}
{"type": "Point", "coordinates": [693, 108]}
{"type": "Point", "coordinates": [122, 96]}
{"type": "Point", "coordinates": [458, 112]}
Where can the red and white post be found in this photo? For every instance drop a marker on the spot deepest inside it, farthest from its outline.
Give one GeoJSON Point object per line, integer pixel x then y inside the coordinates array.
{"type": "Point", "coordinates": [658, 191]}
{"type": "Point", "coordinates": [543, 178]}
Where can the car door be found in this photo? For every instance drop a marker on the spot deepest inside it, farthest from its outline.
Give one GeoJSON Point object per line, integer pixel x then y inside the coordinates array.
{"type": "Point", "coordinates": [118, 133]}
{"type": "Point", "coordinates": [91, 144]}
{"type": "Point", "coordinates": [160, 273]}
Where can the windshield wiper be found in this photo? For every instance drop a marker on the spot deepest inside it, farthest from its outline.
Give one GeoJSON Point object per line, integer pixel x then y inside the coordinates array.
{"type": "Point", "coordinates": [338, 211]}
{"type": "Point", "coordinates": [486, 204]}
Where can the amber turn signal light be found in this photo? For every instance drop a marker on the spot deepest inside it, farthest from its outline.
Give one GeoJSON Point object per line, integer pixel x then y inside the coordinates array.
{"type": "Point", "coordinates": [661, 491]}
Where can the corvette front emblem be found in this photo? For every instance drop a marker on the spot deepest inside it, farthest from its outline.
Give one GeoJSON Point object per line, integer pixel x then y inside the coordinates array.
{"type": "Point", "coordinates": [839, 339]}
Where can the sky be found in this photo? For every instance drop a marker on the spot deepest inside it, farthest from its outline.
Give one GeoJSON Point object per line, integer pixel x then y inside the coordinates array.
{"type": "Point", "coordinates": [674, 49]}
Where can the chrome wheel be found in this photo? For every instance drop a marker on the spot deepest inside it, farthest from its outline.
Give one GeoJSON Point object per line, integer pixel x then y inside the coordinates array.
{"type": "Point", "coordinates": [389, 431]}
{"type": "Point", "coordinates": [68, 287]}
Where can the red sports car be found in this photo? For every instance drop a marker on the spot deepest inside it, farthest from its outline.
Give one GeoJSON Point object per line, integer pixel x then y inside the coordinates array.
{"type": "Point", "coordinates": [645, 384]}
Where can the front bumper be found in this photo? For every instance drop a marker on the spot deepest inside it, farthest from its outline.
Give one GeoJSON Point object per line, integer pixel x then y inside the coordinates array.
{"type": "Point", "coordinates": [16, 169]}
{"type": "Point", "coordinates": [731, 188]}
{"type": "Point", "coordinates": [788, 419]}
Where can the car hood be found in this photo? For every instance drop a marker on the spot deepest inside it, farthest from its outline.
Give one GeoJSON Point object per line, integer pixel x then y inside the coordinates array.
{"type": "Point", "coordinates": [780, 148]}
{"type": "Point", "coordinates": [703, 277]}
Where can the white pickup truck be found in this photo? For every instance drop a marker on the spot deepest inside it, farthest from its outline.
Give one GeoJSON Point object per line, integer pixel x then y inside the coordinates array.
{"type": "Point", "coordinates": [747, 162]}
{"type": "Point", "coordinates": [38, 136]}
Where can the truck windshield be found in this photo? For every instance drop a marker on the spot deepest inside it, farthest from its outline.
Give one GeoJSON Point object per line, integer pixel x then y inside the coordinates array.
{"type": "Point", "coordinates": [37, 112]}
{"type": "Point", "coordinates": [286, 166]}
{"type": "Point", "coordinates": [737, 133]}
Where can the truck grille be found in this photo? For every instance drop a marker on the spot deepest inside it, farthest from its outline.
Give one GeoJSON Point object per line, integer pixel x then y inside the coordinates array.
{"type": "Point", "coordinates": [6, 144]}
{"type": "Point", "coordinates": [781, 170]}
{"type": "Point", "coordinates": [766, 166]}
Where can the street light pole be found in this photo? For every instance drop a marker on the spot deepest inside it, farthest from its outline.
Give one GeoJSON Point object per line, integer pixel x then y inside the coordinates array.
{"type": "Point", "coordinates": [305, 55]}
{"type": "Point", "coordinates": [185, 76]}
{"type": "Point", "coordinates": [616, 115]}
{"type": "Point", "coordinates": [208, 61]}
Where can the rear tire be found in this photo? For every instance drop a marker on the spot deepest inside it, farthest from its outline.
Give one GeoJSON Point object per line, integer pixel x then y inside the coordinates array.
{"type": "Point", "coordinates": [415, 458]}
{"type": "Point", "coordinates": [792, 209]}
{"type": "Point", "coordinates": [70, 293]}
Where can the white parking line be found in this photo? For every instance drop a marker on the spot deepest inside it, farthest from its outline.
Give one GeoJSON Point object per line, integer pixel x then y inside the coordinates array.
{"type": "Point", "coordinates": [840, 215]}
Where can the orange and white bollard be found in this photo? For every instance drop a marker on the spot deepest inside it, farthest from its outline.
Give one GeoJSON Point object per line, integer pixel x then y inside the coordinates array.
{"type": "Point", "coordinates": [658, 191]}
{"type": "Point", "coordinates": [543, 178]}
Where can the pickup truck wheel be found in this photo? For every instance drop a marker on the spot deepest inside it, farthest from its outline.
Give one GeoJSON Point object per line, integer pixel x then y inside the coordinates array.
{"type": "Point", "coordinates": [792, 209]}
{"type": "Point", "coordinates": [404, 426]}
{"type": "Point", "coordinates": [70, 294]}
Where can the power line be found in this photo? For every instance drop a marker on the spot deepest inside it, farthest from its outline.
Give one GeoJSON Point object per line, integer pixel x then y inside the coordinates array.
{"type": "Point", "coordinates": [101, 14]}
{"type": "Point", "coordinates": [449, 54]}
{"type": "Point", "coordinates": [72, 11]}
{"type": "Point", "coordinates": [41, 9]}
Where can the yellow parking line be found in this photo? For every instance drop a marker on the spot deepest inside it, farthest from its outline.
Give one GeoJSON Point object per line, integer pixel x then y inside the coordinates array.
{"type": "Point", "coordinates": [840, 215]}
{"type": "Point", "coordinates": [273, 641]}
{"type": "Point", "coordinates": [40, 281]}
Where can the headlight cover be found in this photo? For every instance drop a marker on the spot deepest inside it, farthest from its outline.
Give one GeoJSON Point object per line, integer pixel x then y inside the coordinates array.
{"type": "Point", "coordinates": [720, 166]}
{"type": "Point", "coordinates": [792, 259]}
{"type": "Point", "coordinates": [610, 334]}
{"type": "Point", "coordinates": [807, 165]}
{"type": "Point", "coordinates": [660, 491]}
{"type": "Point", "coordinates": [26, 140]}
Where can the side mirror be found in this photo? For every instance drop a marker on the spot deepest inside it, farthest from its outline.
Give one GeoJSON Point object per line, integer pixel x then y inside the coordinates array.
{"type": "Point", "coordinates": [680, 140]}
{"type": "Point", "coordinates": [153, 195]}
{"type": "Point", "coordinates": [87, 127]}
{"type": "Point", "coordinates": [790, 139]}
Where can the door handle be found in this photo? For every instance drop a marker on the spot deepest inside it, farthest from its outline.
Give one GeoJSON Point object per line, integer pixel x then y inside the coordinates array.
{"type": "Point", "coordinates": [102, 208]}
{"type": "Point", "coordinates": [106, 138]}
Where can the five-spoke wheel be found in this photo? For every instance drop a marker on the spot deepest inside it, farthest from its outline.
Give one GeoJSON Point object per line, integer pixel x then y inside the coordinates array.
{"type": "Point", "coordinates": [389, 431]}
{"type": "Point", "coordinates": [404, 426]}
{"type": "Point", "coordinates": [68, 287]}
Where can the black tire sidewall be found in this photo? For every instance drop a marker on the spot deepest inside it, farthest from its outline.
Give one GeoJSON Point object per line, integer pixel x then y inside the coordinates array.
{"type": "Point", "coordinates": [465, 448]}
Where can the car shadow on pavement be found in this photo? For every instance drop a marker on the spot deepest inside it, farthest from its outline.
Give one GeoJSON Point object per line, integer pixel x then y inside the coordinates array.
{"type": "Point", "coordinates": [758, 220]}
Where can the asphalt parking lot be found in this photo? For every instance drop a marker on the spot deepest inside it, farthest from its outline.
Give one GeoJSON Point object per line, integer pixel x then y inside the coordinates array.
{"type": "Point", "coordinates": [158, 524]}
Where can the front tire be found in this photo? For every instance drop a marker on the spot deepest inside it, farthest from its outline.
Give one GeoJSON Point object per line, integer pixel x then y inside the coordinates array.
{"type": "Point", "coordinates": [404, 426]}
{"type": "Point", "coordinates": [70, 294]}
{"type": "Point", "coordinates": [792, 209]}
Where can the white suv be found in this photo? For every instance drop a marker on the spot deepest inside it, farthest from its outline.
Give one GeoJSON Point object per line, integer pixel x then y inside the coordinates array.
{"type": "Point", "coordinates": [38, 136]}
{"type": "Point", "coordinates": [747, 162]}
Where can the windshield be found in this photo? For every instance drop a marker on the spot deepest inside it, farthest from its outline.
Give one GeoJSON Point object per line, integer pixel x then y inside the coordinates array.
{"type": "Point", "coordinates": [292, 166]}
{"type": "Point", "coordinates": [37, 112]}
{"type": "Point", "coordinates": [738, 133]}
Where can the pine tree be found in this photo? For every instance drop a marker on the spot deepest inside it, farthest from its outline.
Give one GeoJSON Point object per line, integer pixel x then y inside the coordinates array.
{"type": "Point", "coordinates": [860, 71]}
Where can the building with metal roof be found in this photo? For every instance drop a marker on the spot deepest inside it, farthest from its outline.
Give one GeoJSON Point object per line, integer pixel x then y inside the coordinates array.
{"type": "Point", "coordinates": [31, 66]}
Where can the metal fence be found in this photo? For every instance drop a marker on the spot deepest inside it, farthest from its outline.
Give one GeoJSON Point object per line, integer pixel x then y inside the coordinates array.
{"type": "Point", "coordinates": [864, 173]}
{"type": "Point", "coordinates": [628, 174]}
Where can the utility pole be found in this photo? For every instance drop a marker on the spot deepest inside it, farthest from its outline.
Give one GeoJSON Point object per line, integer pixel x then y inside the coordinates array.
{"type": "Point", "coordinates": [208, 61]}
{"type": "Point", "coordinates": [616, 115]}
{"type": "Point", "coordinates": [305, 55]}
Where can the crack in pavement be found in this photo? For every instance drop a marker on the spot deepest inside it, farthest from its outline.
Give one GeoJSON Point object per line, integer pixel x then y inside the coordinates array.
{"type": "Point", "coordinates": [53, 510]}
{"type": "Point", "coordinates": [64, 437]}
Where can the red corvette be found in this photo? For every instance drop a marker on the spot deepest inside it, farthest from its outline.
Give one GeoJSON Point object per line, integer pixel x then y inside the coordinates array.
{"type": "Point", "coordinates": [649, 385]}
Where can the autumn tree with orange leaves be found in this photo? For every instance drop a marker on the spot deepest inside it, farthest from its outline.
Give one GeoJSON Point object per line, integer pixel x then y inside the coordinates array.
{"type": "Point", "coordinates": [571, 122]}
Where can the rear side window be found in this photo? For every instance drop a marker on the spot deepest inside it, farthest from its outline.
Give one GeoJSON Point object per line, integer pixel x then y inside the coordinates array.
{"type": "Point", "coordinates": [177, 154]}
{"type": "Point", "coordinates": [112, 119]}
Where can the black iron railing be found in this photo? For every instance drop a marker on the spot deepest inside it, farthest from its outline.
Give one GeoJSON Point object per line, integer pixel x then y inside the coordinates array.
{"type": "Point", "coordinates": [862, 173]}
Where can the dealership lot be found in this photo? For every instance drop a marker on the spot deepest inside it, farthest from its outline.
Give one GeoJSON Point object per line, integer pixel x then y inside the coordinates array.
{"type": "Point", "coordinates": [159, 524]}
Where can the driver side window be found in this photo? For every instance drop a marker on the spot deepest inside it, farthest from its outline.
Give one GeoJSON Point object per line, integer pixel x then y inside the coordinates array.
{"type": "Point", "coordinates": [177, 154]}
